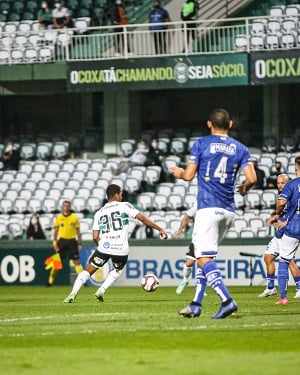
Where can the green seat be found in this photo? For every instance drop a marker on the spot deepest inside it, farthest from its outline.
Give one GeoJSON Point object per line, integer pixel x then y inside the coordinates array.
{"type": "Point", "coordinates": [32, 6]}
{"type": "Point", "coordinates": [87, 4]}
{"type": "Point", "coordinates": [13, 17]}
{"type": "Point", "coordinates": [72, 5]}
{"type": "Point", "coordinates": [17, 7]}
{"type": "Point", "coordinates": [4, 6]}
{"type": "Point", "coordinates": [28, 16]}
{"type": "Point", "coordinates": [84, 13]}
{"type": "Point", "coordinates": [101, 3]}
{"type": "Point", "coordinates": [3, 17]}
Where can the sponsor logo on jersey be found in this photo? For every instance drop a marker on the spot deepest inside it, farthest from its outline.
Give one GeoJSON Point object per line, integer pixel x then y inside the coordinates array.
{"type": "Point", "coordinates": [222, 147]}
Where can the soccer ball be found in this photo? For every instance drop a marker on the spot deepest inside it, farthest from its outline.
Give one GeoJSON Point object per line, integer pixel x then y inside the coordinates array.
{"type": "Point", "coordinates": [149, 282]}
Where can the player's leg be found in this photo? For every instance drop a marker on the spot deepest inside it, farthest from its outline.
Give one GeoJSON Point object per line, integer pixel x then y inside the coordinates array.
{"type": "Point", "coordinates": [288, 249]}
{"type": "Point", "coordinates": [187, 269]}
{"type": "Point", "coordinates": [270, 255]}
{"type": "Point", "coordinates": [295, 271]}
{"type": "Point", "coordinates": [96, 261]}
{"type": "Point", "coordinates": [119, 262]}
{"type": "Point", "coordinates": [210, 229]}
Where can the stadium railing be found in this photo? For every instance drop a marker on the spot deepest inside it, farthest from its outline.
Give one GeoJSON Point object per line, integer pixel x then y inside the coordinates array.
{"type": "Point", "coordinates": [98, 43]}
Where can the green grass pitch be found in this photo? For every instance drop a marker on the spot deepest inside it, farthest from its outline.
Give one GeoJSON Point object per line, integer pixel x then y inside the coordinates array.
{"type": "Point", "coordinates": [135, 332]}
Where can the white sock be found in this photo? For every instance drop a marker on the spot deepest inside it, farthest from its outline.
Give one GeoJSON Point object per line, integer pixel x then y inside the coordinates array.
{"type": "Point", "coordinates": [111, 278]}
{"type": "Point", "coordinates": [186, 272]}
{"type": "Point", "coordinates": [81, 279]}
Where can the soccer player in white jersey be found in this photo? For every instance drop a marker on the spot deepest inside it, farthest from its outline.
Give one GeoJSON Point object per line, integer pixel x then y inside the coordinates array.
{"type": "Point", "coordinates": [272, 250]}
{"type": "Point", "coordinates": [110, 234]}
{"type": "Point", "coordinates": [215, 159]}
{"type": "Point", "coordinates": [290, 196]}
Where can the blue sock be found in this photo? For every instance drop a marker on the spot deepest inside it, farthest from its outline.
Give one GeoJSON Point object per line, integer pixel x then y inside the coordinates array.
{"type": "Point", "coordinates": [283, 278]}
{"type": "Point", "coordinates": [271, 280]}
{"type": "Point", "coordinates": [214, 279]}
{"type": "Point", "coordinates": [200, 286]}
{"type": "Point", "coordinates": [297, 282]}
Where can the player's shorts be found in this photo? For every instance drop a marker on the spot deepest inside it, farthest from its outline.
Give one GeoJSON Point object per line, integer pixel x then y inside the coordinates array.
{"type": "Point", "coordinates": [68, 248]}
{"type": "Point", "coordinates": [98, 259]}
{"type": "Point", "coordinates": [273, 247]}
{"type": "Point", "coordinates": [288, 248]}
{"type": "Point", "coordinates": [210, 227]}
{"type": "Point", "coordinates": [191, 253]}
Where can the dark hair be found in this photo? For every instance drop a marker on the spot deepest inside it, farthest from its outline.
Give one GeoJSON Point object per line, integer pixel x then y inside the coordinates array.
{"type": "Point", "coordinates": [297, 160]}
{"type": "Point", "coordinates": [220, 118]}
{"type": "Point", "coordinates": [112, 190]}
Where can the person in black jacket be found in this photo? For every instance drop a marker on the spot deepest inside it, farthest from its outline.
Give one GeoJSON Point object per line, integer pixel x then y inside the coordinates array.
{"type": "Point", "coordinates": [34, 230]}
{"type": "Point", "coordinates": [10, 158]}
{"type": "Point", "coordinates": [118, 18]}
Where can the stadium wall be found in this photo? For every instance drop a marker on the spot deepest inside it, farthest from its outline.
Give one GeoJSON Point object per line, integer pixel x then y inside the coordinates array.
{"type": "Point", "coordinates": [22, 262]}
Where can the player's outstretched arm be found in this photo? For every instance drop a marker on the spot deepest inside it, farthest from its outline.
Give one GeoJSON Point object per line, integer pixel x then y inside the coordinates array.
{"type": "Point", "coordinates": [250, 180]}
{"type": "Point", "coordinates": [149, 223]}
{"type": "Point", "coordinates": [186, 174]}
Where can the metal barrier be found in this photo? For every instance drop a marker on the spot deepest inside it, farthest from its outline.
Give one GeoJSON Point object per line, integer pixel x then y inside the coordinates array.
{"type": "Point", "coordinates": [100, 43]}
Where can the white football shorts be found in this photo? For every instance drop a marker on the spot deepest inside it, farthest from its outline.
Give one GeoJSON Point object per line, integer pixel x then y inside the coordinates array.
{"type": "Point", "coordinates": [288, 248]}
{"type": "Point", "coordinates": [210, 227]}
{"type": "Point", "coordinates": [273, 247]}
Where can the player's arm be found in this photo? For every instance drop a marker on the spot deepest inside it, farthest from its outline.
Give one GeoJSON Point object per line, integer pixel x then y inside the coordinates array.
{"type": "Point", "coordinates": [96, 236]}
{"type": "Point", "coordinates": [182, 226]}
{"type": "Point", "coordinates": [55, 237]}
{"type": "Point", "coordinates": [79, 240]}
{"type": "Point", "coordinates": [280, 205]}
{"type": "Point", "coordinates": [186, 174]}
{"type": "Point", "coordinates": [250, 180]}
{"type": "Point", "coordinates": [149, 223]}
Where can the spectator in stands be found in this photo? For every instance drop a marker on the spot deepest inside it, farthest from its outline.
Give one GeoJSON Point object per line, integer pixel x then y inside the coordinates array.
{"type": "Point", "coordinates": [61, 16]}
{"type": "Point", "coordinates": [34, 230]}
{"type": "Point", "coordinates": [138, 157]}
{"type": "Point", "coordinates": [276, 170]}
{"type": "Point", "coordinates": [157, 17]}
{"type": "Point", "coordinates": [10, 158]}
{"type": "Point", "coordinates": [189, 13]}
{"type": "Point", "coordinates": [118, 17]}
{"type": "Point", "coordinates": [155, 156]}
{"type": "Point", "coordinates": [44, 15]}
{"type": "Point", "coordinates": [261, 176]}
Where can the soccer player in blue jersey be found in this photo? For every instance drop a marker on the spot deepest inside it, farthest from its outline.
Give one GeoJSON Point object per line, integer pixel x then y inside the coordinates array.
{"type": "Point", "coordinates": [290, 196]}
{"type": "Point", "coordinates": [215, 159]}
{"type": "Point", "coordinates": [272, 250]}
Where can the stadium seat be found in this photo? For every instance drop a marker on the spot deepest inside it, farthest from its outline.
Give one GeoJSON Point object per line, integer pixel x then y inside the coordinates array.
{"type": "Point", "coordinates": [277, 11]}
{"type": "Point", "coordinates": [145, 201]}
{"type": "Point", "coordinates": [127, 147]}
{"type": "Point", "coordinates": [288, 143]}
{"type": "Point", "coordinates": [6, 206]}
{"type": "Point", "coordinates": [241, 42]}
{"type": "Point", "coordinates": [175, 202]}
{"type": "Point", "coordinates": [50, 205]}
{"type": "Point", "coordinates": [137, 172]}
{"type": "Point", "coordinates": [247, 233]}
{"type": "Point", "coordinates": [240, 223]}
{"type": "Point", "coordinates": [60, 150]}
{"type": "Point", "coordinates": [232, 233]}
{"type": "Point", "coordinates": [35, 205]}
{"type": "Point", "coordinates": [160, 201]}
{"type": "Point", "coordinates": [31, 54]}
{"type": "Point", "coordinates": [21, 205]}
{"type": "Point", "coordinates": [94, 203]}
{"type": "Point", "coordinates": [152, 175]}
{"type": "Point", "coordinates": [4, 233]}
{"type": "Point", "coordinates": [257, 42]}
{"type": "Point", "coordinates": [256, 223]}
{"type": "Point", "coordinates": [44, 150]}
{"type": "Point", "coordinates": [269, 198]}
{"type": "Point", "coordinates": [15, 231]}
{"type": "Point", "coordinates": [178, 146]}
{"type": "Point", "coordinates": [132, 185]}
{"type": "Point", "coordinates": [272, 41]}
{"type": "Point", "coordinates": [258, 27]}
{"type": "Point", "coordinates": [79, 205]}
{"type": "Point", "coordinates": [189, 200]}
{"type": "Point", "coordinates": [270, 144]}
